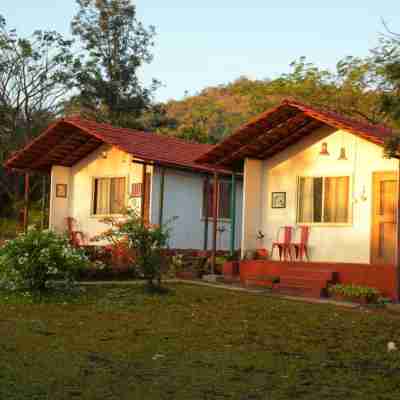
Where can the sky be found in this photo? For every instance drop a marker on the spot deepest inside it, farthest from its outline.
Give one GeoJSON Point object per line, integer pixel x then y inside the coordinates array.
{"type": "Point", "coordinates": [206, 43]}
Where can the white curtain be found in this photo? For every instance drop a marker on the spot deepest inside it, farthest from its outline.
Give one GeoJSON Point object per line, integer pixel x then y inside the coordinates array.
{"type": "Point", "coordinates": [117, 195]}
{"type": "Point", "coordinates": [306, 200]}
{"type": "Point", "coordinates": [336, 199]}
{"type": "Point", "coordinates": [103, 196]}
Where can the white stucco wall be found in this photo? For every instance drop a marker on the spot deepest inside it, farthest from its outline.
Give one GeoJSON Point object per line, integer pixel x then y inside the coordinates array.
{"type": "Point", "coordinates": [184, 198]}
{"type": "Point", "coordinates": [345, 243]}
{"type": "Point", "coordinates": [59, 207]}
{"type": "Point", "coordinates": [81, 175]}
{"type": "Point", "coordinates": [252, 203]}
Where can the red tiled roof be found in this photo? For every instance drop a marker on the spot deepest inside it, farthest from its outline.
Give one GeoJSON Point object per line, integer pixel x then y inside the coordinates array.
{"type": "Point", "coordinates": [282, 126]}
{"type": "Point", "coordinates": [68, 140]}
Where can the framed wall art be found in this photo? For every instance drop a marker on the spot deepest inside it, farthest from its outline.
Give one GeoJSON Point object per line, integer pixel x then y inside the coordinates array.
{"type": "Point", "coordinates": [278, 200]}
{"type": "Point", "coordinates": [61, 190]}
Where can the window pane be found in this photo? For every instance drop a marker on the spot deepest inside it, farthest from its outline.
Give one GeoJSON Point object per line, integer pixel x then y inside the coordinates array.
{"type": "Point", "coordinates": [117, 195]}
{"type": "Point", "coordinates": [317, 199]}
{"type": "Point", "coordinates": [102, 196]}
{"type": "Point", "coordinates": [336, 207]}
{"type": "Point", "coordinates": [208, 189]}
{"type": "Point", "coordinates": [225, 200]}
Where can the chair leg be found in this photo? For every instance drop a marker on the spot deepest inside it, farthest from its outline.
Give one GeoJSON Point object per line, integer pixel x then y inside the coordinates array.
{"type": "Point", "coordinates": [290, 253]}
{"type": "Point", "coordinates": [280, 253]}
{"type": "Point", "coordinates": [306, 253]}
{"type": "Point", "coordinates": [287, 254]}
{"type": "Point", "coordinates": [299, 252]}
{"type": "Point", "coordinates": [294, 248]}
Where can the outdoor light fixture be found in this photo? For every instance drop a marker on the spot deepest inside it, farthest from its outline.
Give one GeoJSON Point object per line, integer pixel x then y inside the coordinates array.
{"type": "Point", "coordinates": [343, 156]}
{"type": "Point", "coordinates": [104, 154]}
{"type": "Point", "coordinates": [324, 149]}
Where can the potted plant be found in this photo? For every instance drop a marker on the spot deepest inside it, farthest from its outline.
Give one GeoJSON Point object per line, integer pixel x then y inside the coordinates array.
{"type": "Point", "coordinates": [231, 265]}
{"type": "Point", "coordinates": [355, 293]}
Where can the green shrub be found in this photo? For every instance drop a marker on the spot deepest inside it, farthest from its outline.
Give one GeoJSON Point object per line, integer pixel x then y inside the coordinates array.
{"type": "Point", "coordinates": [355, 291]}
{"type": "Point", "coordinates": [146, 241]}
{"type": "Point", "coordinates": [33, 259]}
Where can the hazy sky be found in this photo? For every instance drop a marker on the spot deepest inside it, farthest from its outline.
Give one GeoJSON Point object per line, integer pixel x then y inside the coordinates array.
{"type": "Point", "coordinates": [203, 43]}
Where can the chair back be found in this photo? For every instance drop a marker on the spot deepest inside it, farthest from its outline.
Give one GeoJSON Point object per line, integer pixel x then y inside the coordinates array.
{"type": "Point", "coordinates": [304, 234]}
{"type": "Point", "coordinates": [285, 234]}
{"type": "Point", "coordinates": [70, 224]}
{"type": "Point", "coordinates": [76, 238]}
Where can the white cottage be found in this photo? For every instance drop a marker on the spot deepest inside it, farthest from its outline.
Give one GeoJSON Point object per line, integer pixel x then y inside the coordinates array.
{"type": "Point", "coordinates": [97, 170]}
{"type": "Point", "coordinates": [306, 167]}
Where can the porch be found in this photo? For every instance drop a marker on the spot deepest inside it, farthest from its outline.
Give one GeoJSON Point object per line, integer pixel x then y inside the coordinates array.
{"type": "Point", "coordinates": [312, 278]}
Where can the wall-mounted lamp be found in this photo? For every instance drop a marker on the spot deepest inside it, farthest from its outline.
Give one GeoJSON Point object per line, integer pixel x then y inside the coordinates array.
{"type": "Point", "coordinates": [343, 156]}
{"type": "Point", "coordinates": [362, 197]}
{"type": "Point", "coordinates": [104, 154]}
{"type": "Point", "coordinates": [324, 149]}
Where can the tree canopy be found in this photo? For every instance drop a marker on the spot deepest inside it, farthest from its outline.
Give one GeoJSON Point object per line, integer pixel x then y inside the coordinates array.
{"type": "Point", "coordinates": [353, 89]}
{"type": "Point", "coordinates": [115, 45]}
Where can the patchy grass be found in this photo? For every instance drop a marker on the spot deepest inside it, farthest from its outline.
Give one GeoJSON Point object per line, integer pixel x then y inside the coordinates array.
{"type": "Point", "coordinates": [192, 343]}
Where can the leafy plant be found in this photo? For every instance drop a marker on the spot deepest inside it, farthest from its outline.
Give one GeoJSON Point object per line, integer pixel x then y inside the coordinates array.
{"type": "Point", "coordinates": [354, 291]}
{"type": "Point", "coordinates": [146, 241]}
{"type": "Point", "coordinates": [116, 45]}
{"type": "Point", "coordinates": [32, 260]}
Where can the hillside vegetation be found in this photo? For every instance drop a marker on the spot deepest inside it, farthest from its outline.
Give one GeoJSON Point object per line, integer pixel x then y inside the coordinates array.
{"type": "Point", "coordinates": [215, 112]}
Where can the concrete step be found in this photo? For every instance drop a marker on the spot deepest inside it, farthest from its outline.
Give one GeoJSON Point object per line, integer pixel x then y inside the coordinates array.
{"type": "Point", "coordinates": [298, 290]}
{"type": "Point", "coordinates": [303, 281]}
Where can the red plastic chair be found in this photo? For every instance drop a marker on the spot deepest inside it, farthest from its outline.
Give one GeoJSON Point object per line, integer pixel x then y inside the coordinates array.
{"type": "Point", "coordinates": [301, 248]}
{"type": "Point", "coordinates": [76, 238]}
{"type": "Point", "coordinates": [284, 246]}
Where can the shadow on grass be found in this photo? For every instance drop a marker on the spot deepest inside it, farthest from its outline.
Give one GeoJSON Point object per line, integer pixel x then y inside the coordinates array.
{"type": "Point", "coordinates": [156, 290]}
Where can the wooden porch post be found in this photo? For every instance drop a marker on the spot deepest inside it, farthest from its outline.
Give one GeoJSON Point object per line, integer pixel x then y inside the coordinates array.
{"type": "Point", "coordinates": [26, 202]}
{"type": "Point", "coordinates": [215, 223]}
{"type": "Point", "coordinates": [233, 213]}
{"type": "Point", "coordinates": [398, 235]}
{"type": "Point", "coordinates": [206, 195]}
{"type": "Point", "coordinates": [43, 205]}
{"type": "Point", "coordinates": [162, 189]}
{"type": "Point", "coordinates": [143, 194]}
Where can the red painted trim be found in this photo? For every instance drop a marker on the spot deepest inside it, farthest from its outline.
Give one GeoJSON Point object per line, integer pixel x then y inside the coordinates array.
{"type": "Point", "coordinates": [381, 277]}
{"type": "Point", "coordinates": [255, 126]}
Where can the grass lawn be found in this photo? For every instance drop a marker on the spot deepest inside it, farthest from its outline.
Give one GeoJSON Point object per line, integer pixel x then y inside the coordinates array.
{"type": "Point", "coordinates": [194, 343]}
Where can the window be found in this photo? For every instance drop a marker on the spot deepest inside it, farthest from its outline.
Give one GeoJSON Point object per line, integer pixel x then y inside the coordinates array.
{"type": "Point", "coordinates": [323, 200]}
{"type": "Point", "coordinates": [224, 199]}
{"type": "Point", "coordinates": [108, 196]}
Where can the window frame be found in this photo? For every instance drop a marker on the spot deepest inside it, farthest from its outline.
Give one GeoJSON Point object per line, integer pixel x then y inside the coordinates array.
{"type": "Point", "coordinates": [93, 179]}
{"type": "Point", "coordinates": [202, 216]}
{"type": "Point", "coordinates": [325, 224]}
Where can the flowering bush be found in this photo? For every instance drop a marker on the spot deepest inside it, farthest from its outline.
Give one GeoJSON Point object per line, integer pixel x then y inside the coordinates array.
{"type": "Point", "coordinates": [33, 259]}
{"type": "Point", "coordinates": [144, 240]}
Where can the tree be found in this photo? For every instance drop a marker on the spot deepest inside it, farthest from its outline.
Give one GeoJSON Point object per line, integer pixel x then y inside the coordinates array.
{"type": "Point", "coordinates": [35, 76]}
{"type": "Point", "coordinates": [116, 45]}
{"type": "Point", "coordinates": [352, 89]}
{"type": "Point", "coordinates": [387, 60]}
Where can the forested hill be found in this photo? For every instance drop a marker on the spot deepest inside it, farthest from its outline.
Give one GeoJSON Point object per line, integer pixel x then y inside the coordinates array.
{"type": "Point", "coordinates": [217, 111]}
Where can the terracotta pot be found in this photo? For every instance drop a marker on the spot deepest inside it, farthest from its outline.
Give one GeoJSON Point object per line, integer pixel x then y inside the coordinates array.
{"type": "Point", "coordinates": [230, 268]}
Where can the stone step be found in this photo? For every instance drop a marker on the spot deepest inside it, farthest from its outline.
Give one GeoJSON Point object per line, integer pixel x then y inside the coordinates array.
{"type": "Point", "coordinates": [303, 281]}
{"type": "Point", "coordinates": [298, 290]}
